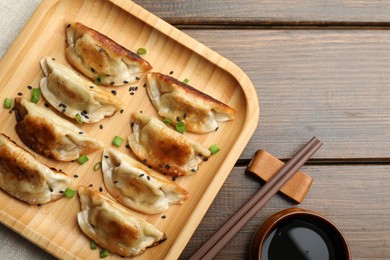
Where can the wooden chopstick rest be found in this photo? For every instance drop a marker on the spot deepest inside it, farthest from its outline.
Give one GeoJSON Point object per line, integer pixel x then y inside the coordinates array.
{"type": "Point", "coordinates": [265, 165]}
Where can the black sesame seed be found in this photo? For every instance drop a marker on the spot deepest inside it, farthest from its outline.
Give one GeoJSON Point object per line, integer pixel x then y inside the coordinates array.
{"type": "Point", "coordinates": [108, 75]}
{"type": "Point", "coordinates": [122, 110]}
{"type": "Point", "coordinates": [68, 26]}
{"type": "Point", "coordinates": [163, 216]}
{"type": "Point", "coordinates": [93, 70]}
{"type": "Point", "coordinates": [10, 111]}
{"type": "Point", "coordinates": [216, 128]}
{"type": "Point", "coordinates": [39, 205]}
{"type": "Point", "coordinates": [140, 111]}
{"type": "Point", "coordinates": [116, 182]}
{"type": "Point", "coordinates": [113, 92]}
{"type": "Point", "coordinates": [112, 83]}
{"type": "Point", "coordinates": [92, 226]}
{"type": "Point", "coordinates": [141, 175]}
{"type": "Point", "coordinates": [63, 110]}
{"type": "Point", "coordinates": [185, 115]}
{"type": "Point", "coordinates": [20, 94]}
{"type": "Point", "coordinates": [51, 189]}
{"type": "Point", "coordinates": [85, 112]}
{"type": "Point", "coordinates": [91, 87]}
{"type": "Point", "coordinates": [144, 85]}
{"type": "Point", "coordinates": [160, 165]}
{"type": "Point", "coordinates": [127, 146]}
{"type": "Point", "coordinates": [87, 117]}
{"type": "Point", "coordinates": [101, 50]}
{"type": "Point", "coordinates": [47, 104]}
{"type": "Point", "coordinates": [106, 156]}
{"type": "Point", "coordinates": [144, 161]}
{"type": "Point", "coordinates": [82, 113]}
{"type": "Point", "coordinates": [29, 87]}
{"type": "Point", "coordinates": [101, 126]}
{"type": "Point", "coordinates": [174, 178]}
{"type": "Point", "coordinates": [53, 58]}
{"type": "Point", "coordinates": [75, 176]}
{"type": "Point", "coordinates": [136, 88]}
{"type": "Point", "coordinates": [125, 82]}
{"type": "Point", "coordinates": [132, 93]}
{"type": "Point", "coordinates": [205, 159]}
{"type": "Point", "coordinates": [167, 166]}
{"type": "Point", "coordinates": [148, 177]}
{"type": "Point", "coordinates": [132, 124]}
{"type": "Point", "coordinates": [81, 132]}
{"type": "Point", "coordinates": [178, 119]}
{"type": "Point", "coordinates": [61, 191]}
{"type": "Point", "coordinates": [171, 72]}
{"type": "Point", "coordinates": [193, 170]}
{"type": "Point", "coordinates": [100, 189]}
{"type": "Point", "coordinates": [137, 78]}
{"type": "Point", "coordinates": [150, 167]}
{"type": "Point", "coordinates": [90, 185]}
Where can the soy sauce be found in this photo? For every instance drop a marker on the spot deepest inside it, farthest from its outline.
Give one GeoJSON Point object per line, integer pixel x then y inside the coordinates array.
{"type": "Point", "coordinates": [299, 240]}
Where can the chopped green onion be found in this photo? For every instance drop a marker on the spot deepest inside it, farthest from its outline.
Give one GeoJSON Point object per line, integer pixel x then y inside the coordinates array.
{"type": "Point", "coordinates": [69, 193]}
{"type": "Point", "coordinates": [83, 159]}
{"type": "Point", "coordinates": [97, 166]}
{"type": "Point", "coordinates": [99, 80]}
{"type": "Point", "coordinates": [93, 245]}
{"type": "Point", "coordinates": [117, 141]}
{"type": "Point", "coordinates": [141, 51]}
{"type": "Point", "coordinates": [167, 121]}
{"type": "Point", "coordinates": [180, 127]}
{"type": "Point", "coordinates": [103, 253]}
{"type": "Point", "coordinates": [214, 149]}
{"type": "Point", "coordinates": [36, 92]}
{"type": "Point", "coordinates": [185, 81]}
{"type": "Point", "coordinates": [35, 95]}
{"type": "Point", "coordinates": [8, 103]}
{"type": "Point", "coordinates": [35, 99]}
{"type": "Point", "coordinates": [79, 119]}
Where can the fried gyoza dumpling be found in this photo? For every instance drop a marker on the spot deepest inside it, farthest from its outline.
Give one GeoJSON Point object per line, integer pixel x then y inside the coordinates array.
{"type": "Point", "coordinates": [50, 135]}
{"type": "Point", "coordinates": [100, 58]}
{"type": "Point", "coordinates": [176, 100]}
{"type": "Point", "coordinates": [113, 227]}
{"type": "Point", "coordinates": [136, 186]}
{"type": "Point", "coordinates": [25, 178]}
{"type": "Point", "coordinates": [73, 95]}
{"type": "Point", "coordinates": [163, 148]}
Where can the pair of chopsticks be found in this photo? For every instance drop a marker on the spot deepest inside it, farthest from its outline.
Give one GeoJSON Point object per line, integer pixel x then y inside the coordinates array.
{"type": "Point", "coordinates": [254, 204]}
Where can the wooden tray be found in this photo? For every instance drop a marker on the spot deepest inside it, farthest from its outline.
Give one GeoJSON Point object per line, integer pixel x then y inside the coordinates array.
{"type": "Point", "coordinates": [54, 226]}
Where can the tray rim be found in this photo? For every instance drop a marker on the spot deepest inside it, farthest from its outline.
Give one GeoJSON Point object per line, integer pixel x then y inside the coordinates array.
{"type": "Point", "coordinates": [250, 123]}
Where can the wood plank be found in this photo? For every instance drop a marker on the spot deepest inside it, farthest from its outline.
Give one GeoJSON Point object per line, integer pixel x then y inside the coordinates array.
{"type": "Point", "coordinates": [330, 83]}
{"type": "Point", "coordinates": [355, 198]}
{"type": "Point", "coordinates": [252, 12]}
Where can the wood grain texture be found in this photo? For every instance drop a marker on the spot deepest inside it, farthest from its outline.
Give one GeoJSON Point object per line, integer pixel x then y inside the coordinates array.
{"type": "Point", "coordinates": [269, 12]}
{"type": "Point", "coordinates": [168, 50]}
{"type": "Point", "coordinates": [355, 198]}
{"type": "Point", "coordinates": [330, 83]}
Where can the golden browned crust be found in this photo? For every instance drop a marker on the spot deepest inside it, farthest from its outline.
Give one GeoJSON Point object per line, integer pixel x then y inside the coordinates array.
{"type": "Point", "coordinates": [193, 91]}
{"type": "Point", "coordinates": [35, 132]}
{"type": "Point", "coordinates": [97, 52]}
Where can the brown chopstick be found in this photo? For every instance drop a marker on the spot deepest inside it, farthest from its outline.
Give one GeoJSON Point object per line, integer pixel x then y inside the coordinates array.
{"type": "Point", "coordinates": [254, 204]}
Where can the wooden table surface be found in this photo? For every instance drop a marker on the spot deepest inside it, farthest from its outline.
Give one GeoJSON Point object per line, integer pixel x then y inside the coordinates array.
{"type": "Point", "coordinates": [320, 68]}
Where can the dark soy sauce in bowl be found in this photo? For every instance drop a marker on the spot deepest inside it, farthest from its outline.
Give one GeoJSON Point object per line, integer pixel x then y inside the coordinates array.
{"type": "Point", "coordinates": [298, 234]}
{"type": "Point", "coordinates": [298, 240]}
